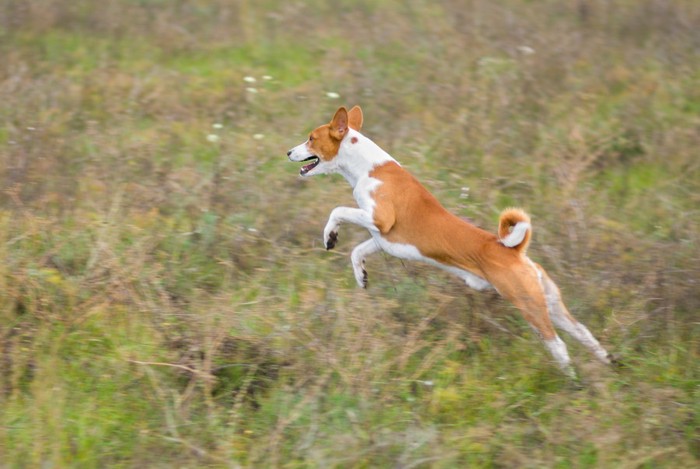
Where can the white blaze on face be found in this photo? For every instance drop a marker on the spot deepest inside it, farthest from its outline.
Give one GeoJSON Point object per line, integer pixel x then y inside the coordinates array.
{"type": "Point", "coordinates": [299, 152]}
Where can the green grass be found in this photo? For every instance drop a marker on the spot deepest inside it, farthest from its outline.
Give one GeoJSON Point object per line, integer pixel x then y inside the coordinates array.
{"type": "Point", "coordinates": [165, 300]}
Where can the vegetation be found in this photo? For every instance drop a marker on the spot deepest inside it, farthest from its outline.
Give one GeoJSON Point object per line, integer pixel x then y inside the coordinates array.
{"type": "Point", "coordinates": [165, 300]}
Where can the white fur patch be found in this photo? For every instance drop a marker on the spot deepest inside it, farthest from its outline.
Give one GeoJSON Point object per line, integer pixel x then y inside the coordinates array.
{"type": "Point", "coordinates": [410, 252]}
{"type": "Point", "coordinates": [517, 235]}
{"type": "Point", "coordinates": [557, 348]}
{"type": "Point", "coordinates": [356, 159]}
{"type": "Point", "coordinates": [364, 188]}
{"type": "Point", "coordinates": [563, 321]}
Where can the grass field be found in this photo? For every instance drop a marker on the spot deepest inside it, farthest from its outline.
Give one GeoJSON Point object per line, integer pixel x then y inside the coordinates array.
{"type": "Point", "coordinates": [165, 299]}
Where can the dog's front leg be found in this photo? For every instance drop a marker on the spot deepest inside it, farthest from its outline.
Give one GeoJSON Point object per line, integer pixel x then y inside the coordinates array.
{"type": "Point", "coordinates": [361, 251]}
{"type": "Point", "coordinates": [340, 215]}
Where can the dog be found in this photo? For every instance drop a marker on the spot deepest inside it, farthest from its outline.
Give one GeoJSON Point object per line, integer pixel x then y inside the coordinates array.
{"type": "Point", "coordinates": [407, 221]}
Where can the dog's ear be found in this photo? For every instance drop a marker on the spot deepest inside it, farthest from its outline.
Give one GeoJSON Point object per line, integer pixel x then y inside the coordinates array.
{"type": "Point", "coordinates": [339, 124]}
{"type": "Point", "coordinates": [355, 118]}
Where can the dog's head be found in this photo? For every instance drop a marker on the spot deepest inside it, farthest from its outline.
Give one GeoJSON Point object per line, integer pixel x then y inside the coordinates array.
{"type": "Point", "coordinates": [323, 144]}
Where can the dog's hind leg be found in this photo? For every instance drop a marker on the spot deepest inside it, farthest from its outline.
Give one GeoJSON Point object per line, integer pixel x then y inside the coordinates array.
{"type": "Point", "coordinates": [564, 320]}
{"type": "Point", "coordinates": [358, 256]}
{"type": "Point", "coordinates": [521, 285]}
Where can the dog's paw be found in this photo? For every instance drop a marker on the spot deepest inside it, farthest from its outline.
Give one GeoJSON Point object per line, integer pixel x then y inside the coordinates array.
{"type": "Point", "coordinates": [330, 240]}
{"type": "Point", "coordinates": [575, 383]}
{"type": "Point", "coordinates": [361, 278]}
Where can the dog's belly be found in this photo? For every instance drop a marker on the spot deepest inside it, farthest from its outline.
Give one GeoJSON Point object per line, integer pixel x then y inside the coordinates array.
{"type": "Point", "coordinates": [410, 252]}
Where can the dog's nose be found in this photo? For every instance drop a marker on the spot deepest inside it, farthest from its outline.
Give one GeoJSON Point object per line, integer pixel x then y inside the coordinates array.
{"type": "Point", "coordinates": [289, 152]}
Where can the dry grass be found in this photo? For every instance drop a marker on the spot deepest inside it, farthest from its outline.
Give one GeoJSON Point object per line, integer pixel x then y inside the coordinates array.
{"type": "Point", "coordinates": [165, 299]}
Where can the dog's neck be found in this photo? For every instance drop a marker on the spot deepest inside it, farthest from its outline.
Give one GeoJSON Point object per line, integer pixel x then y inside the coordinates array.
{"type": "Point", "coordinates": [358, 155]}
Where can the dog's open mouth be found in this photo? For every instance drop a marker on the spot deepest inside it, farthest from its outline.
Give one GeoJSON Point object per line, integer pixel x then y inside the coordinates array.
{"type": "Point", "coordinates": [308, 167]}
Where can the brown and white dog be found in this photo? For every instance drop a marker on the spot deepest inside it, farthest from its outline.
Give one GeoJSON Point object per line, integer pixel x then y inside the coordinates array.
{"type": "Point", "coordinates": [408, 222]}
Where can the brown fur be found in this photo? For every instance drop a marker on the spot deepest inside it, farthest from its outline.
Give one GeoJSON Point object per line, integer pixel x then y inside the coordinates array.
{"type": "Point", "coordinates": [324, 140]}
{"type": "Point", "coordinates": [405, 212]}
{"type": "Point", "coordinates": [508, 219]}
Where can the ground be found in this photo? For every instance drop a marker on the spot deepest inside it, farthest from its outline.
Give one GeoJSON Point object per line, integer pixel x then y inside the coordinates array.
{"type": "Point", "coordinates": [165, 297]}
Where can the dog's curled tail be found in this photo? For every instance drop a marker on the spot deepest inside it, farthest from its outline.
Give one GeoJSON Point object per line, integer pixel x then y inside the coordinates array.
{"type": "Point", "coordinates": [514, 229]}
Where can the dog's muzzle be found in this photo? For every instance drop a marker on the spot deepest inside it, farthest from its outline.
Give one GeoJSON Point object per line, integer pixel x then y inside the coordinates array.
{"type": "Point", "coordinates": [313, 159]}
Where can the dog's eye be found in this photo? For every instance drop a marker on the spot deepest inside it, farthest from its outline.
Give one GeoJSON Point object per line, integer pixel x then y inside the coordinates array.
{"type": "Point", "coordinates": [311, 139]}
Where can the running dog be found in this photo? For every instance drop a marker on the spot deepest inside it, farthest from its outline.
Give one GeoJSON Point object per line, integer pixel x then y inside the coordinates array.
{"type": "Point", "coordinates": [407, 221]}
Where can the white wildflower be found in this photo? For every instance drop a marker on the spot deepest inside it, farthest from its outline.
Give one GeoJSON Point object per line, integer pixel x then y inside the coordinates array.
{"type": "Point", "coordinates": [526, 50]}
{"type": "Point", "coordinates": [249, 79]}
{"type": "Point", "coordinates": [258, 136]}
{"type": "Point", "coordinates": [332, 95]}
{"type": "Point", "coordinates": [218, 126]}
{"type": "Point", "coordinates": [252, 90]}
{"type": "Point", "coordinates": [213, 138]}
{"type": "Point", "coordinates": [267, 77]}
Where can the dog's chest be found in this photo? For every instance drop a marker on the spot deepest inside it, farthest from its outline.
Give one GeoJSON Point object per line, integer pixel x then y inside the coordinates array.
{"type": "Point", "coordinates": [364, 193]}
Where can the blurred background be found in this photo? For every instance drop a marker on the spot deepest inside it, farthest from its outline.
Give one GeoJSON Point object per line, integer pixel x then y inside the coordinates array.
{"type": "Point", "coordinates": [165, 299]}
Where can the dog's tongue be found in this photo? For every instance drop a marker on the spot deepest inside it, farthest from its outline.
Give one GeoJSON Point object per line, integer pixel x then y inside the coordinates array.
{"type": "Point", "coordinates": [308, 167]}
